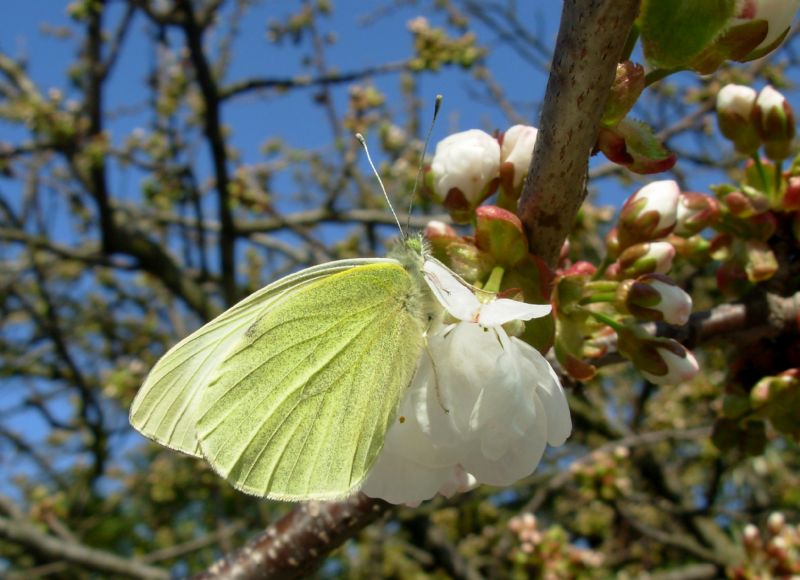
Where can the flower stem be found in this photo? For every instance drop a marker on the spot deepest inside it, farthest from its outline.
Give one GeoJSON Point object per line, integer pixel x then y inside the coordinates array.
{"type": "Point", "coordinates": [495, 278]}
{"type": "Point", "coordinates": [762, 173]}
{"type": "Point", "coordinates": [778, 180]}
{"type": "Point", "coordinates": [602, 268]}
{"type": "Point", "coordinates": [607, 320]}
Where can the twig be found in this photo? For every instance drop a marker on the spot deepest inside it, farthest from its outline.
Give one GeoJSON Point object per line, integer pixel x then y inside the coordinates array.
{"type": "Point", "coordinates": [90, 558]}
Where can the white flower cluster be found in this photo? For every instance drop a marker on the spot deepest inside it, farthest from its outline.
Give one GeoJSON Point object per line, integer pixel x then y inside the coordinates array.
{"type": "Point", "coordinates": [482, 406]}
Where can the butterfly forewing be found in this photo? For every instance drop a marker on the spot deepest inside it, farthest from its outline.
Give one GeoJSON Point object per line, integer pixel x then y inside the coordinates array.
{"type": "Point", "coordinates": [164, 408]}
{"type": "Point", "coordinates": [301, 404]}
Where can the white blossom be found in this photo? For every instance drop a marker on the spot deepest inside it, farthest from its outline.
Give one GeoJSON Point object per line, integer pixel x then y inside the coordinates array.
{"type": "Point", "coordinates": [482, 406]}
{"type": "Point", "coordinates": [467, 161]}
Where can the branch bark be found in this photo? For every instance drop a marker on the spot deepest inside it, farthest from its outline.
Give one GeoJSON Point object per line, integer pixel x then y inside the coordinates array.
{"type": "Point", "coordinates": [298, 543]}
{"type": "Point", "coordinates": [590, 42]}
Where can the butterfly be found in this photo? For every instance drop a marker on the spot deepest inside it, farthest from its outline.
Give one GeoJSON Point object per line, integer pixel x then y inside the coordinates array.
{"type": "Point", "coordinates": [289, 393]}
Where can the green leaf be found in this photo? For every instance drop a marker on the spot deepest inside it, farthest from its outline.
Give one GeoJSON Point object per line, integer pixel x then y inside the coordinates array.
{"type": "Point", "coordinates": [674, 31]}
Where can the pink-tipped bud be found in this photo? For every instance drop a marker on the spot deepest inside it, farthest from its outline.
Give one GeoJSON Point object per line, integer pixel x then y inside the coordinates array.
{"type": "Point", "coordinates": [436, 229]}
{"type": "Point", "coordinates": [655, 257]}
{"type": "Point", "coordinates": [649, 214]}
{"type": "Point", "coordinates": [499, 233]}
{"type": "Point", "coordinates": [791, 196]}
{"type": "Point", "coordinates": [734, 112]}
{"type": "Point", "coordinates": [629, 83]}
{"type": "Point", "coordinates": [744, 204]}
{"type": "Point", "coordinates": [774, 121]}
{"type": "Point", "coordinates": [464, 172]}
{"type": "Point", "coordinates": [695, 213]}
{"type": "Point", "coordinates": [655, 297]}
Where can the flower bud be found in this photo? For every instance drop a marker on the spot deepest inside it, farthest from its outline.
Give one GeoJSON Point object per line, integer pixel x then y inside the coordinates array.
{"type": "Point", "coordinates": [499, 233]}
{"type": "Point", "coordinates": [695, 249]}
{"type": "Point", "coordinates": [581, 268]}
{"type": "Point", "coordinates": [649, 214]}
{"type": "Point", "coordinates": [761, 261]}
{"type": "Point", "coordinates": [775, 523]}
{"type": "Point", "coordinates": [760, 227]}
{"type": "Point", "coordinates": [633, 144]}
{"type": "Point", "coordinates": [752, 538]}
{"type": "Point", "coordinates": [743, 204]}
{"type": "Point", "coordinates": [515, 159]}
{"type": "Point", "coordinates": [464, 172]}
{"type": "Point", "coordinates": [774, 121]}
{"type": "Point", "coordinates": [612, 243]}
{"type": "Point", "coordinates": [441, 236]}
{"type": "Point", "coordinates": [662, 361]}
{"type": "Point", "coordinates": [629, 83]}
{"type": "Point", "coordinates": [655, 257]}
{"type": "Point", "coordinates": [778, 15]}
{"type": "Point", "coordinates": [791, 197]}
{"type": "Point", "coordinates": [655, 297]}
{"type": "Point", "coordinates": [734, 109]}
{"type": "Point", "coordinates": [695, 213]}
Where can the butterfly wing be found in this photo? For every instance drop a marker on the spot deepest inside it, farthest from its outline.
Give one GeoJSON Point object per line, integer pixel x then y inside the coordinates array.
{"type": "Point", "coordinates": [300, 406]}
{"type": "Point", "coordinates": [164, 408]}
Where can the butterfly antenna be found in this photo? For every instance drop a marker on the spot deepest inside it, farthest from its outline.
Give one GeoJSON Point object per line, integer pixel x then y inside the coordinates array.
{"type": "Point", "coordinates": [363, 142]}
{"type": "Point", "coordinates": [437, 105]}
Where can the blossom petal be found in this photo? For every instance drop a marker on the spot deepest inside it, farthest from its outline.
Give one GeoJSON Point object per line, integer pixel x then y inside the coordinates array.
{"type": "Point", "coordinates": [398, 480]}
{"type": "Point", "coordinates": [459, 482]}
{"type": "Point", "coordinates": [559, 422]}
{"type": "Point", "coordinates": [519, 461]}
{"type": "Point", "coordinates": [452, 293]}
{"type": "Point", "coordinates": [502, 310]}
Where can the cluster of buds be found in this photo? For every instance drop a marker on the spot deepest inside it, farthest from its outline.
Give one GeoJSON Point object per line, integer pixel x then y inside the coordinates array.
{"type": "Point", "coordinates": [468, 167]}
{"type": "Point", "coordinates": [548, 553]}
{"type": "Point", "coordinates": [603, 476]}
{"type": "Point", "coordinates": [775, 554]}
{"type": "Point", "coordinates": [765, 203]}
{"type": "Point", "coordinates": [751, 119]}
{"type": "Point", "coordinates": [633, 287]}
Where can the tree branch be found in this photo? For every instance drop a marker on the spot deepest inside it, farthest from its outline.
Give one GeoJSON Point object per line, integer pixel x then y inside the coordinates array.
{"type": "Point", "coordinates": [299, 542]}
{"type": "Point", "coordinates": [90, 558]}
{"type": "Point", "coordinates": [590, 41]}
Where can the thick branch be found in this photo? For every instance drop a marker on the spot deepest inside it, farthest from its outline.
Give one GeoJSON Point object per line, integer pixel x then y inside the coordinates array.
{"type": "Point", "coordinates": [299, 542]}
{"type": "Point", "coordinates": [590, 43]}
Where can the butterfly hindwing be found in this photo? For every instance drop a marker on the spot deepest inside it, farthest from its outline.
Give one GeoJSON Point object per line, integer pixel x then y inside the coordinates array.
{"type": "Point", "coordinates": [300, 405]}
{"type": "Point", "coordinates": [164, 408]}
